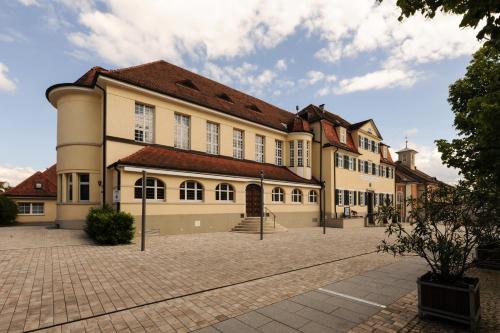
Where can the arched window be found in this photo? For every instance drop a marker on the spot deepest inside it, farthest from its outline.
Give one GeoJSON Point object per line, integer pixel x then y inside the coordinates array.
{"type": "Point", "coordinates": [296, 195]}
{"type": "Point", "coordinates": [191, 190]}
{"type": "Point", "coordinates": [313, 196]}
{"type": "Point", "coordinates": [224, 192]}
{"type": "Point", "coordinates": [155, 189]}
{"type": "Point", "coordinates": [278, 194]}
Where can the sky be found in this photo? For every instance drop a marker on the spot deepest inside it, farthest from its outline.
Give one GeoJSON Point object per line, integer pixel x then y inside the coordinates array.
{"type": "Point", "coordinates": [355, 57]}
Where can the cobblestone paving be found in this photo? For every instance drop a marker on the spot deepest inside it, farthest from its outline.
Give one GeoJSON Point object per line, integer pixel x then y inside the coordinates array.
{"type": "Point", "coordinates": [41, 287]}
{"type": "Point", "coordinates": [402, 316]}
{"type": "Point", "coordinates": [22, 237]}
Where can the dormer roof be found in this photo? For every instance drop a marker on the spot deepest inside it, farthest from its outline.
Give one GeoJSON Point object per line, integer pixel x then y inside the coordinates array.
{"type": "Point", "coordinates": [40, 184]}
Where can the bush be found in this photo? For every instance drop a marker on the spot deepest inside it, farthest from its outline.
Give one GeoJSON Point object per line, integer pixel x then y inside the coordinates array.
{"type": "Point", "coordinates": [8, 210]}
{"type": "Point", "coordinates": [106, 226]}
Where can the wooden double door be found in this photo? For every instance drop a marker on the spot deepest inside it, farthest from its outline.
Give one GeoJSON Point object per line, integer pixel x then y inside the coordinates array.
{"type": "Point", "coordinates": [253, 200]}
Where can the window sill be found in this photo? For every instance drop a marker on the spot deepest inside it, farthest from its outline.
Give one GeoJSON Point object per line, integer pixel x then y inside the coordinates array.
{"type": "Point", "coordinates": [42, 214]}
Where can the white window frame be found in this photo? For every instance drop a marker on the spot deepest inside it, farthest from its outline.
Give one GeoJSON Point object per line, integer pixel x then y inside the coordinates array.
{"type": "Point", "coordinates": [227, 189]}
{"type": "Point", "coordinates": [278, 195]}
{"type": "Point", "coordinates": [351, 163]}
{"type": "Point", "coordinates": [361, 165]}
{"type": "Point", "coordinates": [213, 137]}
{"type": "Point", "coordinates": [361, 198]}
{"type": "Point", "coordinates": [343, 135]}
{"type": "Point", "coordinates": [351, 198]}
{"type": "Point", "coordinates": [198, 188]}
{"type": "Point", "coordinates": [340, 197]}
{"type": "Point", "coordinates": [260, 148]}
{"type": "Point", "coordinates": [300, 153]}
{"type": "Point", "coordinates": [296, 196]}
{"type": "Point", "coordinates": [69, 187]}
{"type": "Point", "coordinates": [291, 146]}
{"type": "Point", "coordinates": [238, 144]}
{"type": "Point", "coordinates": [369, 167]}
{"type": "Point", "coordinates": [340, 159]}
{"type": "Point", "coordinates": [83, 183]}
{"type": "Point", "coordinates": [308, 153]}
{"type": "Point", "coordinates": [182, 131]}
{"type": "Point", "coordinates": [278, 152]}
{"type": "Point", "coordinates": [313, 196]}
{"type": "Point", "coordinates": [144, 123]}
{"type": "Point", "coordinates": [31, 210]}
{"type": "Point", "coordinates": [158, 184]}
{"type": "Point", "coordinates": [384, 152]}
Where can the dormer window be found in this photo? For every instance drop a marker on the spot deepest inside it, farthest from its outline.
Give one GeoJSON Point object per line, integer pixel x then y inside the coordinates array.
{"type": "Point", "coordinates": [342, 135]}
{"type": "Point", "coordinates": [38, 186]}
{"type": "Point", "coordinates": [188, 84]}
{"type": "Point", "coordinates": [253, 107]}
{"type": "Point", "coordinates": [384, 152]}
{"type": "Point", "coordinates": [225, 97]}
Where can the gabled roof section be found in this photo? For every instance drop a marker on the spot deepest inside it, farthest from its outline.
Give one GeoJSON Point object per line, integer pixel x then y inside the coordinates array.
{"type": "Point", "coordinates": [333, 139]}
{"type": "Point", "coordinates": [360, 124]}
{"type": "Point", "coordinates": [183, 160]}
{"type": "Point", "coordinates": [40, 184]}
{"type": "Point", "coordinates": [163, 77]}
{"type": "Point", "coordinates": [312, 113]}
{"type": "Point", "coordinates": [417, 176]}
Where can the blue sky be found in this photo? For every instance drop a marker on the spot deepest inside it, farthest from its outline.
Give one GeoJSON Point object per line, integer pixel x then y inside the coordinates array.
{"type": "Point", "coordinates": [355, 58]}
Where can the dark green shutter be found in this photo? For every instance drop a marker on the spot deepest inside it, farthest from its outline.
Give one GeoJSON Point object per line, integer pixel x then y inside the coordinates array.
{"type": "Point", "coordinates": [346, 162]}
{"type": "Point", "coordinates": [336, 197]}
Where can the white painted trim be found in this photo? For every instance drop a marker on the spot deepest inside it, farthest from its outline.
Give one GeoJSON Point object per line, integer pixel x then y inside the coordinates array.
{"type": "Point", "coordinates": [192, 105]}
{"type": "Point", "coordinates": [327, 291]}
{"type": "Point", "coordinates": [215, 176]}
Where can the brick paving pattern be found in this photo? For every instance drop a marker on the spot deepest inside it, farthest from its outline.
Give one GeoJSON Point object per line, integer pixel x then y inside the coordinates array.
{"type": "Point", "coordinates": [22, 237]}
{"type": "Point", "coordinates": [41, 287]}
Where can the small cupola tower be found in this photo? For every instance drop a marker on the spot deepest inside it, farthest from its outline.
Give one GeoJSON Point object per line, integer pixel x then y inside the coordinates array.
{"type": "Point", "coordinates": [407, 156]}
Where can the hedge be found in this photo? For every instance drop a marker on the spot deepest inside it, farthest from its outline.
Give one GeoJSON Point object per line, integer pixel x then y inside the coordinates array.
{"type": "Point", "coordinates": [106, 226]}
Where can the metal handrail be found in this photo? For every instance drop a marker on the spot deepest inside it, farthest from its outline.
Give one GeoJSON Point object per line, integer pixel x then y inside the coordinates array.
{"type": "Point", "coordinates": [274, 216]}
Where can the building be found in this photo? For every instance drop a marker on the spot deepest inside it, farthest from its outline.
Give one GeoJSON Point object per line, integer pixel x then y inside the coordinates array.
{"type": "Point", "coordinates": [36, 197]}
{"type": "Point", "coordinates": [203, 146]}
{"type": "Point", "coordinates": [410, 182]}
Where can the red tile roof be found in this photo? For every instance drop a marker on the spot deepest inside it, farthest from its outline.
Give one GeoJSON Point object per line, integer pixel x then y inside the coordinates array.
{"type": "Point", "coordinates": [165, 78]}
{"type": "Point", "coordinates": [298, 124]}
{"type": "Point", "coordinates": [27, 188]}
{"type": "Point", "coordinates": [183, 160]}
{"type": "Point", "coordinates": [333, 139]}
{"type": "Point", "coordinates": [406, 174]}
{"type": "Point", "coordinates": [387, 160]}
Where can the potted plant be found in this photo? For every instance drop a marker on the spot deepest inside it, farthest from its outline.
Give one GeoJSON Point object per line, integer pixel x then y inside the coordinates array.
{"type": "Point", "coordinates": [444, 231]}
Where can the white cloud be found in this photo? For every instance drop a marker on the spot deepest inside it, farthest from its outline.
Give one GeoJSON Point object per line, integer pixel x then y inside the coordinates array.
{"type": "Point", "coordinates": [14, 175]}
{"type": "Point", "coordinates": [428, 160]}
{"type": "Point", "coordinates": [385, 78]}
{"type": "Point", "coordinates": [411, 132]}
{"type": "Point", "coordinates": [29, 2]}
{"type": "Point", "coordinates": [281, 65]}
{"type": "Point", "coordinates": [6, 83]}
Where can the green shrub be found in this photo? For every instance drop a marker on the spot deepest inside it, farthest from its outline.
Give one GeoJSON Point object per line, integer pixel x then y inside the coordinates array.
{"type": "Point", "coordinates": [8, 210]}
{"type": "Point", "coordinates": [106, 226]}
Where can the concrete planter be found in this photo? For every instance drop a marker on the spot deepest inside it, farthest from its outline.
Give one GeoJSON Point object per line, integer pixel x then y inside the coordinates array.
{"type": "Point", "coordinates": [488, 257]}
{"type": "Point", "coordinates": [458, 302]}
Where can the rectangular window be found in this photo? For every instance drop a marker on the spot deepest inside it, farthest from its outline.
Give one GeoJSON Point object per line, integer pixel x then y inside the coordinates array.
{"type": "Point", "coordinates": [342, 135]}
{"type": "Point", "coordinates": [292, 153]}
{"type": "Point", "coordinates": [31, 208]}
{"type": "Point", "coordinates": [84, 186]}
{"type": "Point", "coordinates": [366, 143]}
{"type": "Point", "coordinates": [182, 125]}
{"type": "Point", "coordinates": [69, 187]}
{"type": "Point", "coordinates": [278, 153]}
{"type": "Point", "coordinates": [366, 166]}
{"type": "Point", "coordinates": [238, 144]}
{"type": "Point", "coordinates": [346, 162]}
{"type": "Point", "coordinates": [144, 115]}
{"type": "Point", "coordinates": [259, 148]}
{"type": "Point", "coordinates": [351, 163]}
{"type": "Point", "coordinates": [374, 169]}
{"type": "Point", "coordinates": [384, 152]}
{"type": "Point", "coordinates": [373, 146]}
{"type": "Point", "coordinates": [369, 147]}
{"type": "Point", "coordinates": [212, 138]}
{"type": "Point", "coordinates": [351, 198]}
{"type": "Point", "coordinates": [340, 160]}
{"type": "Point", "coordinates": [340, 197]}
{"type": "Point", "coordinates": [308, 154]}
{"type": "Point", "coordinates": [360, 141]}
{"type": "Point", "coordinates": [369, 169]}
{"type": "Point", "coordinates": [300, 157]}
{"type": "Point", "coordinates": [361, 166]}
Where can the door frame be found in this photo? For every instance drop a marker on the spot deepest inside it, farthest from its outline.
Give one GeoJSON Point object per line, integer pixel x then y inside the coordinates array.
{"type": "Point", "coordinates": [370, 206]}
{"type": "Point", "coordinates": [259, 199]}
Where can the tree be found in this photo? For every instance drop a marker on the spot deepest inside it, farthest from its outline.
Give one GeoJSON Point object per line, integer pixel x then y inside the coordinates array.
{"type": "Point", "coordinates": [474, 13]}
{"type": "Point", "coordinates": [475, 101]}
{"type": "Point", "coordinates": [8, 210]}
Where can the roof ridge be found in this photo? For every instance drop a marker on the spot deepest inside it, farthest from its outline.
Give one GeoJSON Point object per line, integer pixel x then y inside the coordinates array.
{"type": "Point", "coordinates": [138, 66]}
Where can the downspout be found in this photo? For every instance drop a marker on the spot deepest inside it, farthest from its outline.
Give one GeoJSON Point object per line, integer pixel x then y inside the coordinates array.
{"type": "Point", "coordinates": [104, 109]}
{"type": "Point", "coordinates": [321, 192]}
{"type": "Point", "coordinates": [118, 185]}
{"type": "Point", "coordinates": [335, 182]}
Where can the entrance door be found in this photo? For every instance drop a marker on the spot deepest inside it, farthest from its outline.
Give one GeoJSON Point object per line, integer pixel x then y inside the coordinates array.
{"type": "Point", "coordinates": [370, 207]}
{"type": "Point", "coordinates": [253, 200]}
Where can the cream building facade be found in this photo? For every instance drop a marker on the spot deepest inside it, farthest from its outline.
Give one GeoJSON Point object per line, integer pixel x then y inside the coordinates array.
{"type": "Point", "coordinates": [203, 146]}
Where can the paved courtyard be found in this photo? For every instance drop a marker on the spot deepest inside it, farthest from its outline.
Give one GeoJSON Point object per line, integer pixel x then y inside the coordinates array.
{"type": "Point", "coordinates": [179, 284]}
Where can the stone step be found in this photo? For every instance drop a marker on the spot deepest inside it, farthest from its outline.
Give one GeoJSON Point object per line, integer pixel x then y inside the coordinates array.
{"type": "Point", "coordinates": [251, 225]}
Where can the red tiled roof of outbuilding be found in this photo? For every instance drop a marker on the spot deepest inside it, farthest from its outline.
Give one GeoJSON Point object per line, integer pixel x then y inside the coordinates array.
{"type": "Point", "coordinates": [183, 160]}
{"type": "Point", "coordinates": [27, 188]}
